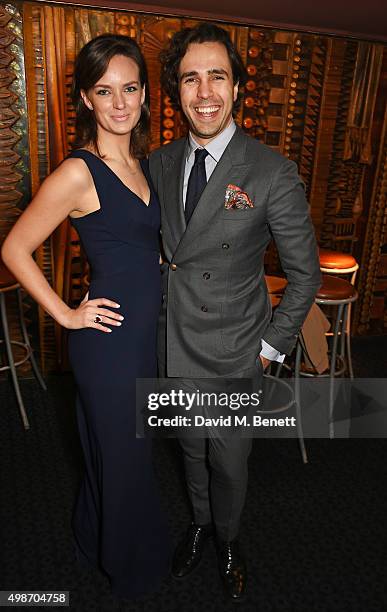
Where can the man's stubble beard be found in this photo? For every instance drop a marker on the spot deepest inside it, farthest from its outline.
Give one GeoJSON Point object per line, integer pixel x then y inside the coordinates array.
{"type": "Point", "coordinates": [206, 135]}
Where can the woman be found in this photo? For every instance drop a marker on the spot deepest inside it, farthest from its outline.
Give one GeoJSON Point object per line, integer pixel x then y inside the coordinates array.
{"type": "Point", "coordinates": [105, 188]}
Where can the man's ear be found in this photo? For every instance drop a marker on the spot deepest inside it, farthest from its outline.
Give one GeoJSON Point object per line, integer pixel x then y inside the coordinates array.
{"type": "Point", "coordinates": [86, 100]}
{"type": "Point", "coordinates": [236, 89]}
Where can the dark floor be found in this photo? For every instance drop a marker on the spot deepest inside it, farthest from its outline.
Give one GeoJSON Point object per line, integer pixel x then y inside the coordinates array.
{"type": "Point", "coordinates": [315, 535]}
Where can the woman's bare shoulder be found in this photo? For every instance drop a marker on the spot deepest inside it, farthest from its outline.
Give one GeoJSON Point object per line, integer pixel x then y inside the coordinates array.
{"type": "Point", "coordinates": [73, 170]}
{"type": "Point", "coordinates": [68, 185]}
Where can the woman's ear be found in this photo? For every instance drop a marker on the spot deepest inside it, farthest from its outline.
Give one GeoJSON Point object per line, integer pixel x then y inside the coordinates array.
{"type": "Point", "coordinates": [143, 95]}
{"type": "Point", "coordinates": [86, 100]}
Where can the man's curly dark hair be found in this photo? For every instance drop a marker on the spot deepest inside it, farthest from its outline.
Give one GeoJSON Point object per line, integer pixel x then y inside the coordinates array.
{"type": "Point", "coordinates": [171, 57]}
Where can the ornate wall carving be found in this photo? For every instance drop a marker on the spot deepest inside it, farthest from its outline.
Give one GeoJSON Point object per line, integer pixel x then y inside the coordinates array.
{"type": "Point", "coordinates": [312, 98]}
{"type": "Point", "coordinates": [15, 183]}
{"type": "Point", "coordinates": [372, 308]}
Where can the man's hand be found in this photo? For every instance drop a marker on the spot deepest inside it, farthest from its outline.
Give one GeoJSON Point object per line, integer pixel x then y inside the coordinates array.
{"type": "Point", "coordinates": [265, 362]}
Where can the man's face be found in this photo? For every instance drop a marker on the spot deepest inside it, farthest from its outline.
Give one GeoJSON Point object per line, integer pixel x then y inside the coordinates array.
{"type": "Point", "coordinates": [206, 88]}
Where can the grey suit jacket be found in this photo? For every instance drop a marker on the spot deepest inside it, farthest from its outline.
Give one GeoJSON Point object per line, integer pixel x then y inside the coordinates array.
{"type": "Point", "coordinates": [216, 308]}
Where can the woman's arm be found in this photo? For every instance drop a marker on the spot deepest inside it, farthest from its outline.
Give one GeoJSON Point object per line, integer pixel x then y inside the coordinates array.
{"type": "Point", "coordinates": [68, 189]}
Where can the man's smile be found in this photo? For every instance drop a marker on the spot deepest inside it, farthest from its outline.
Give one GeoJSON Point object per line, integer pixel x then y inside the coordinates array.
{"type": "Point", "coordinates": [207, 111]}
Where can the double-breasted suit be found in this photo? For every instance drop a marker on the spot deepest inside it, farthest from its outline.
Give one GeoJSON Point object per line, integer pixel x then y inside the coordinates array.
{"type": "Point", "coordinates": [216, 308]}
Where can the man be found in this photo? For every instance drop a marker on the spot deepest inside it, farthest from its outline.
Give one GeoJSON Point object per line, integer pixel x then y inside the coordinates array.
{"type": "Point", "coordinates": [223, 196]}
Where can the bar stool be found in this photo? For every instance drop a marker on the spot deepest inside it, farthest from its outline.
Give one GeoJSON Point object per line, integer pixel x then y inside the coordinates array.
{"type": "Point", "coordinates": [334, 292]}
{"type": "Point", "coordinates": [340, 293]}
{"type": "Point", "coordinates": [338, 263]}
{"type": "Point", "coordinates": [8, 285]}
{"type": "Point", "coordinates": [276, 286]}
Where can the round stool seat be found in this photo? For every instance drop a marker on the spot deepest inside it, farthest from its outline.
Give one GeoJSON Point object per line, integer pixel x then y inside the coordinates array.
{"type": "Point", "coordinates": [7, 280]}
{"type": "Point", "coordinates": [334, 288]}
{"type": "Point", "coordinates": [275, 284]}
{"type": "Point", "coordinates": [335, 260]}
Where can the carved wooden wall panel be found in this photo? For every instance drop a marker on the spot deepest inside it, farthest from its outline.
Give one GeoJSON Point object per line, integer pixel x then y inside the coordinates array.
{"type": "Point", "coordinates": [371, 313]}
{"type": "Point", "coordinates": [14, 158]}
{"type": "Point", "coordinates": [310, 97]}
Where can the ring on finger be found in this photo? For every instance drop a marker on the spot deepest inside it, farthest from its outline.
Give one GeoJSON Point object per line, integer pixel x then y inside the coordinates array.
{"type": "Point", "coordinates": [97, 319]}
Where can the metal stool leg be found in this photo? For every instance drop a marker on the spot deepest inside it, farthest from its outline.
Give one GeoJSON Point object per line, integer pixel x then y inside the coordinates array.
{"type": "Point", "coordinates": [297, 400]}
{"type": "Point", "coordinates": [278, 369]}
{"type": "Point", "coordinates": [345, 340]}
{"type": "Point", "coordinates": [349, 355]}
{"type": "Point", "coordinates": [11, 362]}
{"type": "Point", "coordinates": [35, 368]}
{"type": "Point", "coordinates": [339, 321]}
{"type": "Point", "coordinates": [347, 332]}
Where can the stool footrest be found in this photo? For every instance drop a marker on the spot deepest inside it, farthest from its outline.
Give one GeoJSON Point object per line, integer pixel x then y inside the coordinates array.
{"type": "Point", "coordinates": [25, 347]}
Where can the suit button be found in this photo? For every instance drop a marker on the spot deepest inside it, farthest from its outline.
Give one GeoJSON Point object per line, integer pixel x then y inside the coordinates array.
{"type": "Point", "coordinates": [206, 275]}
{"type": "Point", "coordinates": [204, 309]}
{"type": "Point", "coordinates": [173, 267]}
{"type": "Point", "coordinates": [225, 245]}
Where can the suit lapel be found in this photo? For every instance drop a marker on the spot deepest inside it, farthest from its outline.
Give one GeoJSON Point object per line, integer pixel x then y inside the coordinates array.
{"type": "Point", "coordinates": [173, 170]}
{"type": "Point", "coordinates": [231, 168]}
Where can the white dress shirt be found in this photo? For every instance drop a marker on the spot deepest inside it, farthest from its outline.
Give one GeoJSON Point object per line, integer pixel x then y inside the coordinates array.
{"type": "Point", "coordinates": [216, 148]}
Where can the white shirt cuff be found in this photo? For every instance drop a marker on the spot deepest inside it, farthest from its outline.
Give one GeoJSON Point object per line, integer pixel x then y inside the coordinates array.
{"type": "Point", "coordinates": [271, 353]}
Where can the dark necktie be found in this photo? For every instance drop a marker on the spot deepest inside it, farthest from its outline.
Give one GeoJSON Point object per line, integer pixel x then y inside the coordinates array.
{"type": "Point", "coordinates": [196, 183]}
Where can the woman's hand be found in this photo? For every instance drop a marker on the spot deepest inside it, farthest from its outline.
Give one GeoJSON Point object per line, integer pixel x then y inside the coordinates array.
{"type": "Point", "coordinates": [90, 314]}
{"type": "Point", "coordinates": [85, 298]}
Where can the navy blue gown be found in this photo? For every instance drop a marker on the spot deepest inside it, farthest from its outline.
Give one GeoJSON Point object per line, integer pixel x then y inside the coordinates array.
{"type": "Point", "coordinates": [117, 522]}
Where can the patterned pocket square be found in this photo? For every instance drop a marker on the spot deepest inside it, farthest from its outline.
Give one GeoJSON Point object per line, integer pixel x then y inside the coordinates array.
{"type": "Point", "coordinates": [236, 198]}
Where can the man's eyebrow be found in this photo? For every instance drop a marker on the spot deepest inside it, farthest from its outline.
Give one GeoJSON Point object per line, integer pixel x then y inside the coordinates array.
{"type": "Point", "coordinates": [211, 71]}
{"type": "Point", "coordinates": [218, 71]}
{"type": "Point", "coordinates": [188, 74]}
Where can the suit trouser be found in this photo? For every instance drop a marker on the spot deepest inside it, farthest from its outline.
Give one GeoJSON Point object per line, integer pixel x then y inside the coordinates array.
{"type": "Point", "coordinates": [217, 473]}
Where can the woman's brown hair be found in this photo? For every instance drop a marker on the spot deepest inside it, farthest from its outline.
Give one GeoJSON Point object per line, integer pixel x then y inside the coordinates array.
{"type": "Point", "coordinates": [90, 65]}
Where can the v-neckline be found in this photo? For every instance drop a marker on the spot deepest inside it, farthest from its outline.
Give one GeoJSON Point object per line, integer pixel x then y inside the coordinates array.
{"type": "Point", "coordinates": [122, 182]}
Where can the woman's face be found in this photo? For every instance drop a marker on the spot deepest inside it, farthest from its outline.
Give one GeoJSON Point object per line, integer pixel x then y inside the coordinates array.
{"type": "Point", "coordinates": [117, 97]}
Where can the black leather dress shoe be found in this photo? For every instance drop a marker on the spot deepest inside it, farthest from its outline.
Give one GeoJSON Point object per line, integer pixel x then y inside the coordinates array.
{"type": "Point", "coordinates": [188, 553]}
{"type": "Point", "coordinates": [232, 570]}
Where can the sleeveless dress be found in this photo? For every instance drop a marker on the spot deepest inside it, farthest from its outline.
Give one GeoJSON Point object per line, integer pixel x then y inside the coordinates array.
{"type": "Point", "coordinates": [117, 522]}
